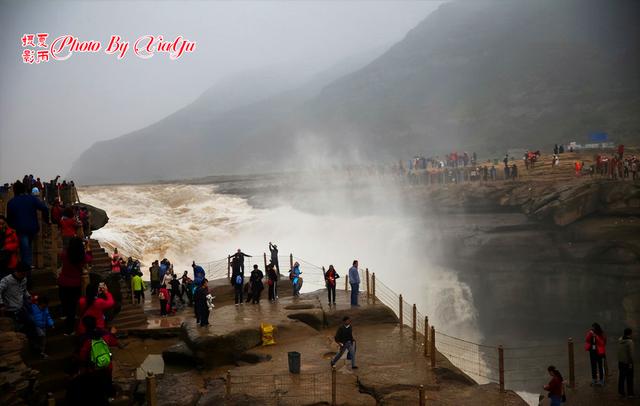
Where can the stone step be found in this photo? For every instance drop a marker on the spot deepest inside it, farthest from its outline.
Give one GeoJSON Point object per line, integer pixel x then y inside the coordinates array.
{"type": "Point", "coordinates": [141, 318]}
{"type": "Point", "coordinates": [135, 324]}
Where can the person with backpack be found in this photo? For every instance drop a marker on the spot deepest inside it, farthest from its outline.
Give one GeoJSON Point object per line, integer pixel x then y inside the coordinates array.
{"type": "Point", "coordinates": [595, 343]}
{"type": "Point", "coordinates": [201, 304]}
{"type": "Point", "coordinates": [330, 279]}
{"type": "Point", "coordinates": [74, 259]}
{"type": "Point", "coordinates": [42, 320]}
{"type": "Point", "coordinates": [137, 286]}
{"type": "Point", "coordinates": [96, 301]}
{"type": "Point", "coordinates": [296, 279]}
{"type": "Point", "coordinates": [69, 226]}
{"type": "Point", "coordinates": [625, 364]}
{"type": "Point", "coordinates": [237, 280]}
{"type": "Point", "coordinates": [94, 383]}
{"type": "Point", "coordinates": [272, 282]}
{"type": "Point", "coordinates": [555, 387]}
{"type": "Point", "coordinates": [164, 296]}
{"type": "Point", "coordinates": [344, 338]}
{"type": "Point", "coordinates": [256, 284]}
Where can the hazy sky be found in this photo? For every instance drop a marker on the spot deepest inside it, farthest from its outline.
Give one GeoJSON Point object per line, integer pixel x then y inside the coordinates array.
{"type": "Point", "coordinates": [51, 112]}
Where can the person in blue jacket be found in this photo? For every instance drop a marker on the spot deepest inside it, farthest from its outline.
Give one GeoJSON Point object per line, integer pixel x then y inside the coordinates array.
{"type": "Point", "coordinates": [198, 274]}
{"type": "Point", "coordinates": [42, 320]}
{"type": "Point", "coordinates": [22, 216]}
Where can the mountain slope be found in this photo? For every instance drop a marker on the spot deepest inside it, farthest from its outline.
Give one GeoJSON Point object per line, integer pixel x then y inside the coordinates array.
{"type": "Point", "coordinates": [475, 75]}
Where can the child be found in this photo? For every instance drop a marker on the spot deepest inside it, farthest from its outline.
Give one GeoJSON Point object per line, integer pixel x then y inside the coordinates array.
{"type": "Point", "coordinates": [164, 297]}
{"type": "Point", "coordinates": [42, 319]}
{"type": "Point", "coordinates": [137, 285]}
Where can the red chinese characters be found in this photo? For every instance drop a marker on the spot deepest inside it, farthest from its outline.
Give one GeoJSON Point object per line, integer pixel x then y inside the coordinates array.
{"type": "Point", "coordinates": [27, 40]}
{"type": "Point", "coordinates": [28, 56]}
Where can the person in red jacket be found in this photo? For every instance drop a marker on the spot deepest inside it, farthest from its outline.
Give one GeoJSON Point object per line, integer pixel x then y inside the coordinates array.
{"type": "Point", "coordinates": [97, 300]}
{"type": "Point", "coordinates": [115, 261]}
{"type": "Point", "coordinates": [595, 343]}
{"type": "Point", "coordinates": [73, 259]}
{"type": "Point", "coordinates": [165, 300]}
{"type": "Point", "coordinates": [56, 212]}
{"type": "Point", "coordinates": [68, 226]}
{"type": "Point", "coordinates": [555, 386]}
{"type": "Point", "coordinates": [8, 248]}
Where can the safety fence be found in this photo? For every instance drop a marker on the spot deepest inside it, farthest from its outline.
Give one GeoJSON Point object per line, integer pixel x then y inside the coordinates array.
{"type": "Point", "coordinates": [510, 367]}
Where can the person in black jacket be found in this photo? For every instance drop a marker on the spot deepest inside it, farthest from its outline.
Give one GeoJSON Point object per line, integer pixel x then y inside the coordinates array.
{"type": "Point", "coordinates": [256, 284]}
{"type": "Point", "coordinates": [200, 299]}
{"type": "Point", "coordinates": [272, 282]}
{"type": "Point", "coordinates": [344, 338]}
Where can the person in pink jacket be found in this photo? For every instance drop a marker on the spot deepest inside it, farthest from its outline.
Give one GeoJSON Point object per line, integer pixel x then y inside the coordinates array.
{"type": "Point", "coordinates": [97, 300]}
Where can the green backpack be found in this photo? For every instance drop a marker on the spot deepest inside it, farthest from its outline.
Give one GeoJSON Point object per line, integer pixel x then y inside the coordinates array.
{"type": "Point", "coordinates": [100, 354]}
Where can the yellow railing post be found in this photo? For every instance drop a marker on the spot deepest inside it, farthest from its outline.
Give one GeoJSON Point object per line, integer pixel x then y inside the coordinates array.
{"type": "Point", "coordinates": [400, 311]}
{"type": "Point", "coordinates": [333, 385]}
{"type": "Point", "coordinates": [426, 336]}
{"type": "Point", "coordinates": [432, 350]}
{"type": "Point", "coordinates": [414, 321]}
{"type": "Point", "coordinates": [152, 384]}
{"type": "Point", "coordinates": [373, 286]}
{"type": "Point", "coordinates": [368, 290]}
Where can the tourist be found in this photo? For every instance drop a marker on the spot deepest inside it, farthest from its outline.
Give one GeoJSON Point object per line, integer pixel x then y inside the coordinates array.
{"type": "Point", "coordinates": [272, 282]}
{"type": "Point", "coordinates": [73, 260]}
{"type": "Point", "coordinates": [154, 276]}
{"type": "Point", "coordinates": [330, 279]}
{"type": "Point", "coordinates": [42, 320]}
{"type": "Point", "coordinates": [274, 256]}
{"type": "Point", "coordinates": [175, 290]}
{"type": "Point", "coordinates": [296, 279]}
{"type": "Point", "coordinates": [237, 280]}
{"type": "Point", "coordinates": [68, 226]}
{"type": "Point", "coordinates": [344, 338]}
{"type": "Point", "coordinates": [187, 287]}
{"type": "Point", "coordinates": [13, 297]}
{"type": "Point", "coordinates": [8, 248]}
{"type": "Point", "coordinates": [84, 217]}
{"type": "Point", "coordinates": [96, 301]}
{"type": "Point", "coordinates": [115, 262]}
{"type": "Point", "coordinates": [514, 172]}
{"type": "Point", "coordinates": [201, 304]}
{"type": "Point", "coordinates": [137, 286]}
{"type": "Point", "coordinates": [354, 281]}
{"type": "Point", "coordinates": [595, 344]}
{"type": "Point", "coordinates": [625, 364]}
{"type": "Point", "coordinates": [239, 256]}
{"type": "Point", "coordinates": [168, 277]}
{"type": "Point", "coordinates": [94, 383]}
{"type": "Point", "coordinates": [164, 297]}
{"type": "Point", "coordinates": [163, 270]}
{"type": "Point", "coordinates": [198, 273]}
{"type": "Point", "coordinates": [555, 387]}
{"type": "Point", "coordinates": [22, 216]}
{"type": "Point", "coordinates": [256, 284]}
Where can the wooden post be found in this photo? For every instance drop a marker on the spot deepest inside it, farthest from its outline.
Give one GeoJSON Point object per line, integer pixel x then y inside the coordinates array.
{"type": "Point", "coordinates": [368, 290]}
{"type": "Point", "coordinates": [432, 350]}
{"type": "Point", "coordinates": [333, 385]}
{"type": "Point", "coordinates": [572, 365]}
{"type": "Point", "coordinates": [291, 261]}
{"type": "Point", "coordinates": [228, 266]}
{"type": "Point", "coordinates": [501, 366]}
{"type": "Point", "coordinates": [421, 394]}
{"type": "Point", "coordinates": [400, 311]}
{"type": "Point", "coordinates": [426, 336]}
{"type": "Point", "coordinates": [228, 384]}
{"type": "Point", "coordinates": [84, 281]}
{"type": "Point", "coordinates": [51, 401]}
{"type": "Point", "coordinates": [414, 321]}
{"type": "Point", "coordinates": [346, 283]}
{"type": "Point", "coordinates": [265, 261]}
{"type": "Point", "coordinates": [373, 286]}
{"type": "Point", "coordinates": [152, 396]}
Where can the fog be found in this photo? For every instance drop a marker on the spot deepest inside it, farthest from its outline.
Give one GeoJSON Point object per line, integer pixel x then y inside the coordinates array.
{"type": "Point", "coordinates": [51, 112]}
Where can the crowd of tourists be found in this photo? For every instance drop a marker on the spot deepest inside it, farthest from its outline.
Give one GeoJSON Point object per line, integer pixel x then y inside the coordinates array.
{"type": "Point", "coordinates": [83, 314]}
